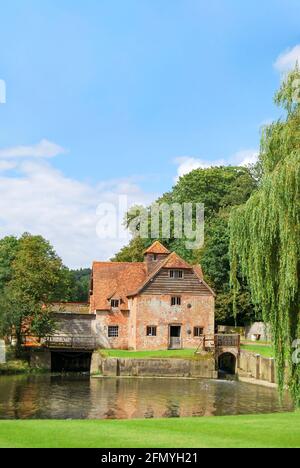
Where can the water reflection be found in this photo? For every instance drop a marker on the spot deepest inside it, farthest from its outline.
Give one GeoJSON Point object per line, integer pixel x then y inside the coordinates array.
{"type": "Point", "coordinates": [78, 397]}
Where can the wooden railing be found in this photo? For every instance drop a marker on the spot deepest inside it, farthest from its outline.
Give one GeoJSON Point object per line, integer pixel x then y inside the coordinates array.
{"type": "Point", "coordinates": [214, 342]}
{"type": "Point", "coordinates": [70, 341]}
{"type": "Point", "coordinates": [64, 341]}
{"type": "Point", "coordinates": [227, 341]}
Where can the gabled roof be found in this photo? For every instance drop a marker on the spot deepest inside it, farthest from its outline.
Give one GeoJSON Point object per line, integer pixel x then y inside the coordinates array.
{"type": "Point", "coordinates": [157, 248]}
{"type": "Point", "coordinates": [174, 261]}
{"type": "Point", "coordinates": [124, 279]}
{"type": "Point", "coordinates": [171, 261]}
{"type": "Point", "coordinates": [198, 272]}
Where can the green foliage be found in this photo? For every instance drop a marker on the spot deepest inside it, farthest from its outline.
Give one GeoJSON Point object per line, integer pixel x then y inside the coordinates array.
{"type": "Point", "coordinates": [132, 252]}
{"type": "Point", "coordinates": [42, 323]}
{"type": "Point", "coordinates": [32, 278]}
{"type": "Point", "coordinates": [8, 251]}
{"type": "Point", "coordinates": [37, 270]}
{"type": "Point", "coordinates": [265, 235]}
{"type": "Point", "coordinates": [79, 285]}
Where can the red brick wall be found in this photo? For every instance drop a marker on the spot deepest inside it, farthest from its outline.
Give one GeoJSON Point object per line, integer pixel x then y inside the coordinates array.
{"type": "Point", "coordinates": [157, 311]}
{"type": "Point", "coordinates": [147, 310]}
{"type": "Point", "coordinates": [121, 319]}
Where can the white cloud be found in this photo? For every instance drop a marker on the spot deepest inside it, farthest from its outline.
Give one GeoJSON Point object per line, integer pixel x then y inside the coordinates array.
{"type": "Point", "coordinates": [43, 149]}
{"type": "Point", "coordinates": [187, 164]}
{"type": "Point", "coordinates": [288, 59]}
{"type": "Point", "coordinates": [245, 157]}
{"type": "Point", "coordinates": [7, 165]}
{"type": "Point", "coordinates": [42, 200]}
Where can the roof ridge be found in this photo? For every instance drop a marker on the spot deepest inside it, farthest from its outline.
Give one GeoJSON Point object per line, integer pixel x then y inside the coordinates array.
{"type": "Point", "coordinates": [157, 247]}
{"type": "Point", "coordinates": [156, 270]}
{"type": "Point", "coordinates": [116, 263]}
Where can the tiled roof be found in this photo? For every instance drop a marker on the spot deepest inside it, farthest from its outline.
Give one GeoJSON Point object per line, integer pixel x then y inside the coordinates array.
{"type": "Point", "coordinates": [157, 248]}
{"type": "Point", "coordinates": [174, 261]}
{"type": "Point", "coordinates": [198, 270]}
{"type": "Point", "coordinates": [113, 279]}
{"type": "Point", "coordinates": [121, 280]}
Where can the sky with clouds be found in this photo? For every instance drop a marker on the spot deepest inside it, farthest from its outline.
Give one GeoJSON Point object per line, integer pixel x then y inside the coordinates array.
{"type": "Point", "coordinates": [108, 98]}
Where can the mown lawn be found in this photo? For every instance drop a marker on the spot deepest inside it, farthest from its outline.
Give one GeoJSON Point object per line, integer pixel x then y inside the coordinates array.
{"type": "Point", "coordinates": [263, 350]}
{"type": "Point", "coordinates": [276, 430]}
{"type": "Point", "coordinates": [177, 353]}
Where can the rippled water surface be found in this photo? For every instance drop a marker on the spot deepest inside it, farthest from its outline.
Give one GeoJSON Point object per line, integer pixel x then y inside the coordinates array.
{"type": "Point", "coordinates": [79, 397]}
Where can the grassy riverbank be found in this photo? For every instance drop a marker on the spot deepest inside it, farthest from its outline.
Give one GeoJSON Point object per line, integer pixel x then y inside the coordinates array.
{"type": "Point", "coordinates": [263, 350]}
{"type": "Point", "coordinates": [275, 430]}
{"type": "Point", "coordinates": [165, 353]}
{"type": "Point", "coordinates": [15, 367]}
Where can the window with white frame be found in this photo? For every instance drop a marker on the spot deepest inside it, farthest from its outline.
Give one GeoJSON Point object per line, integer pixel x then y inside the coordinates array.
{"type": "Point", "coordinates": [151, 330]}
{"type": "Point", "coordinates": [113, 332]}
{"type": "Point", "coordinates": [176, 274]}
{"type": "Point", "coordinates": [114, 303]}
{"type": "Point", "coordinates": [175, 301]}
{"type": "Point", "coordinates": [198, 331]}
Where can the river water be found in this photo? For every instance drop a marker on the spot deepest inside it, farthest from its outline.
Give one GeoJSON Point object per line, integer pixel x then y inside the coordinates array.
{"type": "Point", "coordinates": [79, 397]}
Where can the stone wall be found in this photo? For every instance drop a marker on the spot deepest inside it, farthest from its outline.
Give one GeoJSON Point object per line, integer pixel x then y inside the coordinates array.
{"type": "Point", "coordinates": [256, 366]}
{"type": "Point", "coordinates": [260, 329]}
{"type": "Point", "coordinates": [40, 359]}
{"type": "Point", "coordinates": [116, 367]}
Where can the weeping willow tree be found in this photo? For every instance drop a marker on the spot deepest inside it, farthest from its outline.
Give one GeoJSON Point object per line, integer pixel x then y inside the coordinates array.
{"type": "Point", "coordinates": [265, 234]}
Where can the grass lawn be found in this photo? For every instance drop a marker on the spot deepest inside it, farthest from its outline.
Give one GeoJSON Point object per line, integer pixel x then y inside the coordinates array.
{"type": "Point", "coordinates": [176, 353]}
{"type": "Point", "coordinates": [276, 430]}
{"type": "Point", "coordinates": [263, 350]}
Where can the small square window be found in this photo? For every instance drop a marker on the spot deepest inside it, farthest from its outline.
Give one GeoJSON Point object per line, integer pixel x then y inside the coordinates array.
{"type": "Point", "coordinates": [113, 332]}
{"type": "Point", "coordinates": [176, 274]}
{"type": "Point", "coordinates": [198, 331]}
{"type": "Point", "coordinates": [151, 331]}
{"type": "Point", "coordinates": [114, 303]}
{"type": "Point", "coordinates": [175, 301]}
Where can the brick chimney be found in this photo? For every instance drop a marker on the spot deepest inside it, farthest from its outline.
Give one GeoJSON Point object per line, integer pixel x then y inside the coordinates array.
{"type": "Point", "coordinates": [155, 254]}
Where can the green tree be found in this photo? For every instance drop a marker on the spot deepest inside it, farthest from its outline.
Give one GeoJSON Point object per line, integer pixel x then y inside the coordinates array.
{"type": "Point", "coordinates": [8, 250]}
{"type": "Point", "coordinates": [265, 234]}
{"type": "Point", "coordinates": [36, 277]}
{"type": "Point", "coordinates": [133, 252]}
{"type": "Point", "coordinates": [79, 285]}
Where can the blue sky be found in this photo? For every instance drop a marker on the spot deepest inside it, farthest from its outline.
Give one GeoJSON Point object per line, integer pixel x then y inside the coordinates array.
{"type": "Point", "coordinates": [125, 96]}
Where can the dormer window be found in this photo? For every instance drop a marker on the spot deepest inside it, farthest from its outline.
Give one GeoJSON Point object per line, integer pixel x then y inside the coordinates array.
{"type": "Point", "coordinates": [176, 274]}
{"type": "Point", "coordinates": [154, 257]}
{"type": "Point", "coordinates": [114, 303]}
{"type": "Point", "coordinates": [175, 301]}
